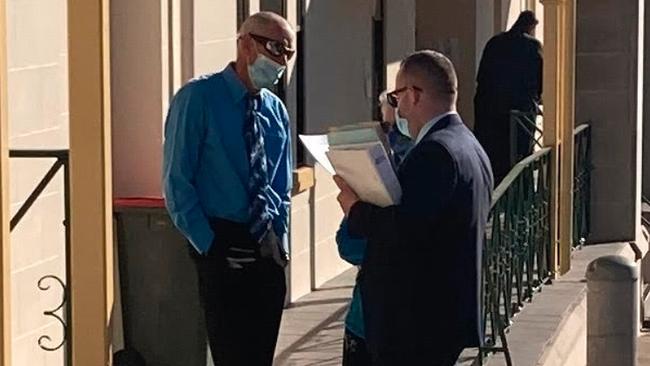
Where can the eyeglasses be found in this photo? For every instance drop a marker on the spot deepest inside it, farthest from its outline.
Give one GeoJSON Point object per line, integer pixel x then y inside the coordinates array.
{"type": "Point", "coordinates": [392, 97]}
{"type": "Point", "coordinates": [275, 47]}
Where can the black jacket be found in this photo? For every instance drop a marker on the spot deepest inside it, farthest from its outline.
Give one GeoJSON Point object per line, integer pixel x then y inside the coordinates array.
{"type": "Point", "coordinates": [509, 77]}
{"type": "Point", "coordinates": [510, 72]}
{"type": "Point", "coordinates": [421, 276]}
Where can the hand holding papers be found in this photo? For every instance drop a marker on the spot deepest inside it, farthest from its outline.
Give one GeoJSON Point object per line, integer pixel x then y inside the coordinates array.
{"type": "Point", "coordinates": [347, 198]}
{"type": "Point", "coordinates": [359, 155]}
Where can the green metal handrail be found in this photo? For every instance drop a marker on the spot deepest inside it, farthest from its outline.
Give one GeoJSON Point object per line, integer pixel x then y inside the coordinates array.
{"type": "Point", "coordinates": [526, 123]}
{"type": "Point", "coordinates": [517, 256]}
{"type": "Point", "coordinates": [582, 168]}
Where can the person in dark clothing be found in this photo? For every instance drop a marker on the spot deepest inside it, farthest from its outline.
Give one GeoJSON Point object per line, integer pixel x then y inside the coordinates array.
{"type": "Point", "coordinates": [509, 78]}
{"type": "Point", "coordinates": [431, 242]}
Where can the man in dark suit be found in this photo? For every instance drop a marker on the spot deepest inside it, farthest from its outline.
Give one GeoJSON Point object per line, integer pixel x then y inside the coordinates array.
{"type": "Point", "coordinates": [509, 78]}
{"type": "Point", "coordinates": [421, 276]}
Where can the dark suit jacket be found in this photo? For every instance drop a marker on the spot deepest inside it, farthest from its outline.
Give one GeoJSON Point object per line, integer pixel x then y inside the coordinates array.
{"type": "Point", "coordinates": [421, 275]}
{"type": "Point", "coordinates": [509, 77]}
{"type": "Point", "coordinates": [510, 72]}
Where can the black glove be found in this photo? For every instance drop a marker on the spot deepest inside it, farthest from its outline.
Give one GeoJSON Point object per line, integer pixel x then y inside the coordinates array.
{"type": "Point", "coordinates": [270, 247]}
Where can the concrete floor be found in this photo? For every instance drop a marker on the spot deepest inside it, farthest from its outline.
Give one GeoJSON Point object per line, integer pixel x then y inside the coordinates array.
{"type": "Point", "coordinates": [644, 349]}
{"type": "Point", "coordinates": [312, 328]}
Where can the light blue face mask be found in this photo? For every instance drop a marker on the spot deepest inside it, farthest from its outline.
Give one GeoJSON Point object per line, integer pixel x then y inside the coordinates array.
{"type": "Point", "coordinates": [402, 125]}
{"type": "Point", "coordinates": [264, 72]}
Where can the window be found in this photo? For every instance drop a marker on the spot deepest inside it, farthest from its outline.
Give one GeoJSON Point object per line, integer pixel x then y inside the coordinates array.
{"type": "Point", "coordinates": [243, 11]}
{"type": "Point", "coordinates": [300, 84]}
{"type": "Point", "coordinates": [276, 6]}
{"type": "Point", "coordinates": [378, 64]}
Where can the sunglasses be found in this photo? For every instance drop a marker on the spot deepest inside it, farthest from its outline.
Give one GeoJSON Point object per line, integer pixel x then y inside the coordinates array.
{"type": "Point", "coordinates": [392, 97]}
{"type": "Point", "coordinates": [275, 47]}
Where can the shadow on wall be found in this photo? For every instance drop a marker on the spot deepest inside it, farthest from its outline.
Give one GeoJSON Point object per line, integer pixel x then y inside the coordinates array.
{"type": "Point", "coordinates": [337, 63]}
{"type": "Point", "coordinates": [341, 69]}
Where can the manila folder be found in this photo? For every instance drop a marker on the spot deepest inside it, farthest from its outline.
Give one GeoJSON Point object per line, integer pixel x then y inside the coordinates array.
{"type": "Point", "coordinates": [369, 173]}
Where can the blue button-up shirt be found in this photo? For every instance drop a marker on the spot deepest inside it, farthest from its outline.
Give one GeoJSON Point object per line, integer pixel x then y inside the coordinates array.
{"type": "Point", "coordinates": [399, 143]}
{"type": "Point", "coordinates": [206, 164]}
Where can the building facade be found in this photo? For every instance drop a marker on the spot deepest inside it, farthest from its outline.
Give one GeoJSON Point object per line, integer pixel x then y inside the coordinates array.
{"type": "Point", "coordinates": [112, 66]}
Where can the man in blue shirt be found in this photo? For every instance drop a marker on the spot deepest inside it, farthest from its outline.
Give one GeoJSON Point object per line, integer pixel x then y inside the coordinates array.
{"type": "Point", "coordinates": [227, 182]}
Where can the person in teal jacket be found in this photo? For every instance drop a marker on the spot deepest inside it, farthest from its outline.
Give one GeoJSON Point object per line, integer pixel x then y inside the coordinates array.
{"type": "Point", "coordinates": [352, 250]}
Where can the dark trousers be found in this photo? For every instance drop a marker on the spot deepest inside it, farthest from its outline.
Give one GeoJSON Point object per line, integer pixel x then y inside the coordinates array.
{"type": "Point", "coordinates": [494, 130]}
{"type": "Point", "coordinates": [243, 307]}
{"type": "Point", "coordinates": [413, 351]}
{"type": "Point", "coordinates": [433, 356]}
{"type": "Point", "coordinates": [355, 352]}
{"type": "Point", "coordinates": [448, 357]}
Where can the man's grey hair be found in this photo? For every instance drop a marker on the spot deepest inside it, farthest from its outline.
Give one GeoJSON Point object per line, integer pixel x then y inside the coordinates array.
{"type": "Point", "coordinates": [434, 71]}
{"type": "Point", "coordinates": [261, 21]}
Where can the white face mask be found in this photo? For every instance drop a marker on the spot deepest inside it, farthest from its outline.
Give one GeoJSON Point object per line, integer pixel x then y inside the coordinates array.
{"type": "Point", "coordinates": [402, 125]}
{"type": "Point", "coordinates": [264, 72]}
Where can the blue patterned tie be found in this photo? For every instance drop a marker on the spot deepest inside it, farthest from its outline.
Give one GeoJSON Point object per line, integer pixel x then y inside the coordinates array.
{"type": "Point", "coordinates": [258, 181]}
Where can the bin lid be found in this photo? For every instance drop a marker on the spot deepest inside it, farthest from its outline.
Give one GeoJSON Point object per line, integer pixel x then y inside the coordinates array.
{"type": "Point", "coordinates": [138, 202]}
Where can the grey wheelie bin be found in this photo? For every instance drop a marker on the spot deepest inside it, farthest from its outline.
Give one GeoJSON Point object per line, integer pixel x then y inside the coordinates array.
{"type": "Point", "coordinates": [162, 318]}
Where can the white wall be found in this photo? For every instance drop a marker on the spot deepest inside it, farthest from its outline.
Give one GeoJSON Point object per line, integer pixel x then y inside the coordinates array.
{"type": "Point", "coordinates": [38, 119]}
{"type": "Point", "coordinates": [215, 34]}
{"type": "Point", "coordinates": [338, 63]}
{"type": "Point", "coordinates": [146, 72]}
{"type": "Point", "coordinates": [137, 88]}
{"type": "Point", "coordinates": [338, 90]}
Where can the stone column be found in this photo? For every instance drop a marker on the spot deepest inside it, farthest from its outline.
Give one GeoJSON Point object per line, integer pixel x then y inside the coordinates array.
{"type": "Point", "coordinates": [559, 56]}
{"type": "Point", "coordinates": [91, 237]}
{"type": "Point", "coordinates": [609, 95]}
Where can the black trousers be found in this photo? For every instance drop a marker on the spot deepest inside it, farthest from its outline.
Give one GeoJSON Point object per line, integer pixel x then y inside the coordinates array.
{"type": "Point", "coordinates": [243, 307]}
{"type": "Point", "coordinates": [433, 356]}
{"type": "Point", "coordinates": [355, 352]}
{"type": "Point", "coordinates": [492, 128]}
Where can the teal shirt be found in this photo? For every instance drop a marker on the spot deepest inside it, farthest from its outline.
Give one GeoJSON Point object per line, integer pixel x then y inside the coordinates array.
{"type": "Point", "coordinates": [352, 250]}
{"type": "Point", "coordinates": [205, 163]}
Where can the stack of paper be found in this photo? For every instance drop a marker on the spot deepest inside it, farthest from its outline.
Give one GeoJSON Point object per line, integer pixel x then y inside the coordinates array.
{"type": "Point", "coordinates": [360, 155]}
